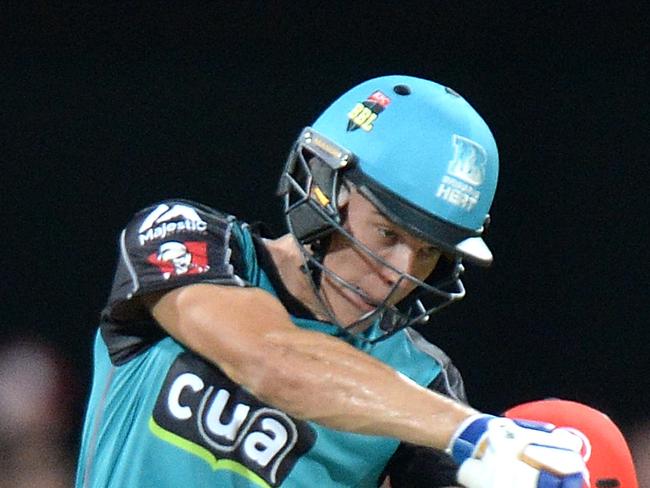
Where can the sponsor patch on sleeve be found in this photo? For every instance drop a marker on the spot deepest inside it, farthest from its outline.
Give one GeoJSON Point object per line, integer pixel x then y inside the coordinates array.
{"type": "Point", "coordinates": [175, 258]}
{"type": "Point", "coordinates": [176, 244]}
{"type": "Point", "coordinates": [203, 412]}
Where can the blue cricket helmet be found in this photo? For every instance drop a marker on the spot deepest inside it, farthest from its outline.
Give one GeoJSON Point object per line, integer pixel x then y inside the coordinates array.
{"type": "Point", "coordinates": [421, 154]}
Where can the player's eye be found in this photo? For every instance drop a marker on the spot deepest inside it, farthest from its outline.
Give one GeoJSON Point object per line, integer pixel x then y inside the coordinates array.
{"type": "Point", "coordinates": [430, 252]}
{"type": "Point", "coordinates": [386, 233]}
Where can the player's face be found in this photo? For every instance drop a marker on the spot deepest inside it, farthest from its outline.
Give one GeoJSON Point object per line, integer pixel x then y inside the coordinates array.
{"type": "Point", "coordinates": [393, 244]}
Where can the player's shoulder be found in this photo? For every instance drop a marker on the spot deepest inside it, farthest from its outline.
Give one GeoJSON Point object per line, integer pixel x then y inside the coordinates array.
{"type": "Point", "coordinates": [423, 345]}
{"type": "Point", "coordinates": [173, 209]}
{"type": "Point", "coordinates": [178, 215]}
{"type": "Point", "coordinates": [171, 230]}
{"type": "Point", "coordinates": [450, 381]}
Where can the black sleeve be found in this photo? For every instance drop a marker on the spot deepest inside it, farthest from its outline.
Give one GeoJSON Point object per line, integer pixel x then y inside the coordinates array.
{"type": "Point", "coordinates": [172, 244]}
{"type": "Point", "coordinates": [420, 467]}
{"type": "Point", "coordinates": [423, 467]}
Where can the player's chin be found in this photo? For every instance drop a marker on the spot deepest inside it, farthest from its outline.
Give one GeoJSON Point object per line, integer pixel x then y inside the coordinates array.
{"type": "Point", "coordinates": [362, 305]}
{"type": "Point", "coordinates": [349, 308]}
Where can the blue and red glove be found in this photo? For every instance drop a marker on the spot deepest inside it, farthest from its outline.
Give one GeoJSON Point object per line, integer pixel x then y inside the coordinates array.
{"type": "Point", "coordinates": [496, 452]}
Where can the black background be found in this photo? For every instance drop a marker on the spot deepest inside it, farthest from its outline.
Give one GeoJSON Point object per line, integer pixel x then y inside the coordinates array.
{"type": "Point", "coordinates": [106, 109]}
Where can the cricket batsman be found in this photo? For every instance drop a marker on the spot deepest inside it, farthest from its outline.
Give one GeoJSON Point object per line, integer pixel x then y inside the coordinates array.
{"type": "Point", "coordinates": [229, 358]}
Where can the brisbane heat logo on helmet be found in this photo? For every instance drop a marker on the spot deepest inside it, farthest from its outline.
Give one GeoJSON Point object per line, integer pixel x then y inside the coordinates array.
{"type": "Point", "coordinates": [465, 174]}
{"type": "Point", "coordinates": [469, 161]}
{"type": "Point", "coordinates": [365, 113]}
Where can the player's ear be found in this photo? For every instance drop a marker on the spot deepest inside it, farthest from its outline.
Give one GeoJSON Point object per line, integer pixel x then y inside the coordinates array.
{"type": "Point", "coordinates": [344, 194]}
{"type": "Point", "coordinates": [345, 190]}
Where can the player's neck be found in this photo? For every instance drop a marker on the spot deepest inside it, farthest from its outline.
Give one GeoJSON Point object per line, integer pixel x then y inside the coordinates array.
{"type": "Point", "coordinates": [288, 260]}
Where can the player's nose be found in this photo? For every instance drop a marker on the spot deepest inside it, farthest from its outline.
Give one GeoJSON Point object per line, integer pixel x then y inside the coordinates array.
{"type": "Point", "coordinates": [403, 260]}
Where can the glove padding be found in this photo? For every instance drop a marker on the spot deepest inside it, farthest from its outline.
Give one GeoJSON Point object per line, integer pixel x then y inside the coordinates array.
{"type": "Point", "coordinates": [495, 452]}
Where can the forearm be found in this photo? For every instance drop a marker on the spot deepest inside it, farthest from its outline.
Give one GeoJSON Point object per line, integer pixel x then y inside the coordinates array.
{"type": "Point", "coordinates": [307, 374]}
{"type": "Point", "coordinates": [332, 383]}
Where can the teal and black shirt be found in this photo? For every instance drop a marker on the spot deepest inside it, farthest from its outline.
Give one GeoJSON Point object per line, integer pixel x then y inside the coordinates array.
{"type": "Point", "coordinates": [161, 416]}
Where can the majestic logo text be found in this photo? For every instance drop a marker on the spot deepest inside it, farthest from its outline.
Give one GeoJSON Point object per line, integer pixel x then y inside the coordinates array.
{"type": "Point", "coordinates": [165, 221]}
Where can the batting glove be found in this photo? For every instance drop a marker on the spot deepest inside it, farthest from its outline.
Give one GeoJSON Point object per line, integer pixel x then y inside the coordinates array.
{"type": "Point", "coordinates": [495, 452]}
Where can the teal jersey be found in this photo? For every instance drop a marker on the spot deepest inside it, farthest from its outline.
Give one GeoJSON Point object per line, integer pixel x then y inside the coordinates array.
{"type": "Point", "coordinates": [161, 416]}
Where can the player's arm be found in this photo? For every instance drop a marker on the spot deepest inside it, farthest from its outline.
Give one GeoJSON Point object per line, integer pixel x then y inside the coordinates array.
{"type": "Point", "coordinates": [249, 335]}
{"type": "Point", "coordinates": [309, 375]}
